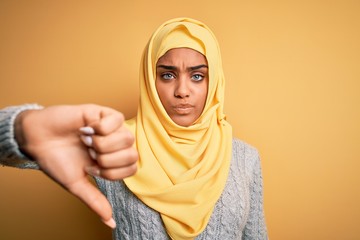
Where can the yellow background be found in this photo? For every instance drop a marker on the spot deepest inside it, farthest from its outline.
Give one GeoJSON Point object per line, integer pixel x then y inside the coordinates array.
{"type": "Point", "coordinates": [293, 91]}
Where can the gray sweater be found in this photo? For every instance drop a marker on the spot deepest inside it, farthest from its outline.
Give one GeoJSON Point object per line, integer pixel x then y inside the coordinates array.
{"type": "Point", "coordinates": [238, 214]}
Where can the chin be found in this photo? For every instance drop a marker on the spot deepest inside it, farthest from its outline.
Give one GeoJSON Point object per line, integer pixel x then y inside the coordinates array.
{"type": "Point", "coordinates": [183, 122]}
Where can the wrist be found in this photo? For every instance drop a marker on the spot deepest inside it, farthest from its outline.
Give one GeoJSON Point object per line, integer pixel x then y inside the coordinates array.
{"type": "Point", "coordinates": [20, 130]}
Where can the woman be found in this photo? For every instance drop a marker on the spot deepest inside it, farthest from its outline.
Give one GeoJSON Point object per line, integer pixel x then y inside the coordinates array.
{"type": "Point", "coordinates": [193, 179]}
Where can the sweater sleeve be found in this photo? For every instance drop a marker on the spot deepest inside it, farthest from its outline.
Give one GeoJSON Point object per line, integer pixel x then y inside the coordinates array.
{"type": "Point", "coordinates": [10, 154]}
{"type": "Point", "coordinates": [255, 227]}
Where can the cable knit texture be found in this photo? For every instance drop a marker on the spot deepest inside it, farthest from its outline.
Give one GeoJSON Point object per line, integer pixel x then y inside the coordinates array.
{"type": "Point", "coordinates": [238, 214]}
{"type": "Point", "coordinates": [10, 154]}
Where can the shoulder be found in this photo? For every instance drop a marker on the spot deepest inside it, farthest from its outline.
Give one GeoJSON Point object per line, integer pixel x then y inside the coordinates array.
{"type": "Point", "coordinates": [245, 156]}
{"type": "Point", "coordinates": [244, 150]}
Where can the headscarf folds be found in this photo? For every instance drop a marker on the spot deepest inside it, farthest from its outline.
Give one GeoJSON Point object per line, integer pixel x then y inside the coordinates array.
{"type": "Point", "coordinates": [182, 171]}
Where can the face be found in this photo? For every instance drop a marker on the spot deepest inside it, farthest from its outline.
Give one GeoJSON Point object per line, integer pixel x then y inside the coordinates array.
{"type": "Point", "coordinates": [182, 84]}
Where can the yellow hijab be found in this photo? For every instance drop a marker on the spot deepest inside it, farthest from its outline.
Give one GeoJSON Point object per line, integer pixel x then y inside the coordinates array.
{"type": "Point", "coordinates": [182, 171]}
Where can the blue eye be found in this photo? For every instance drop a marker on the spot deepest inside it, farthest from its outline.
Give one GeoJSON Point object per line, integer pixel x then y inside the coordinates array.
{"type": "Point", "coordinates": [197, 77]}
{"type": "Point", "coordinates": [167, 76]}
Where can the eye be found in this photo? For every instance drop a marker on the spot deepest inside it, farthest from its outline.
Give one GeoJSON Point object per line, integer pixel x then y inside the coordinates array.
{"type": "Point", "coordinates": [197, 77]}
{"type": "Point", "coordinates": [167, 76]}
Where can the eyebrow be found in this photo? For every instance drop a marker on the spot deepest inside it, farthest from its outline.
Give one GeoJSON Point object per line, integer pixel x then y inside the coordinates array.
{"type": "Point", "coordinates": [169, 67]}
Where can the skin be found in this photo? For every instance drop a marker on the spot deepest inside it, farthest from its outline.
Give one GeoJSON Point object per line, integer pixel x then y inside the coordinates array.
{"type": "Point", "coordinates": [182, 84]}
{"type": "Point", "coordinates": [51, 137]}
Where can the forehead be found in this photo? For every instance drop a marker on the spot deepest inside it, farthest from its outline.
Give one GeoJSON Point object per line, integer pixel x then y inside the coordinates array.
{"type": "Point", "coordinates": [181, 55]}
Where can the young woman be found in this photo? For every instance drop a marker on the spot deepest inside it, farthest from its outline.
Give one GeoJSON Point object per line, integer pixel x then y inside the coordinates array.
{"type": "Point", "coordinates": [194, 180]}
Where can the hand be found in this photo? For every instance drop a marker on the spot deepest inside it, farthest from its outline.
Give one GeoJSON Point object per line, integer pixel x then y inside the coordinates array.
{"type": "Point", "coordinates": [51, 137]}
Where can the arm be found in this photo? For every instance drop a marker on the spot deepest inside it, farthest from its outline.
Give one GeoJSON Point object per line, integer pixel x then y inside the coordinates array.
{"type": "Point", "coordinates": [52, 138]}
{"type": "Point", "coordinates": [10, 153]}
{"type": "Point", "coordinates": [255, 227]}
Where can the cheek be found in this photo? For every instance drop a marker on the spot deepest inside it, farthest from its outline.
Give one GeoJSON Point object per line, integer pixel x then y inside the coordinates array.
{"type": "Point", "coordinates": [203, 94]}
{"type": "Point", "coordinates": [163, 93]}
{"type": "Point", "coordinates": [159, 89]}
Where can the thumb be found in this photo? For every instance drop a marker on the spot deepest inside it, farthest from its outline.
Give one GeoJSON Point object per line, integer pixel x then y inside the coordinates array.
{"type": "Point", "coordinates": [94, 199]}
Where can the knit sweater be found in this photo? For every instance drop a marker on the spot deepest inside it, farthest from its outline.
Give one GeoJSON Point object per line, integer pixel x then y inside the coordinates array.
{"type": "Point", "coordinates": [238, 214]}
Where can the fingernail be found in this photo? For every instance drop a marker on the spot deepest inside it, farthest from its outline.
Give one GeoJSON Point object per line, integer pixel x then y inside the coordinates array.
{"type": "Point", "coordinates": [87, 130]}
{"type": "Point", "coordinates": [92, 153]}
{"type": "Point", "coordinates": [87, 140]}
{"type": "Point", "coordinates": [111, 223]}
{"type": "Point", "coordinates": [93, 171]}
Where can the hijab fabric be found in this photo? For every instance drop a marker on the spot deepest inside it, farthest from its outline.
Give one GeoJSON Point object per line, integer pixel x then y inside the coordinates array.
{"type": "Point", "coordinates": [182, 171]}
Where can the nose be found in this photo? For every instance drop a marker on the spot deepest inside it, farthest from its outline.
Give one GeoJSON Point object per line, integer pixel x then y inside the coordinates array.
{"type": "Point", "coordinates": [182, 89]}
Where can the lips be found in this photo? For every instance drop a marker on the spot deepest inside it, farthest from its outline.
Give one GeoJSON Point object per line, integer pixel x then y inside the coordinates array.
{"type": "Point", "coordinates": [183, 108]}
